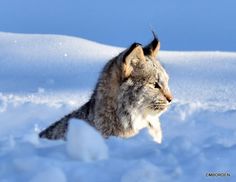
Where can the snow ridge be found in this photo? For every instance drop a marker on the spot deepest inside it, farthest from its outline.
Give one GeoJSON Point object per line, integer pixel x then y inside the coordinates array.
{"type": "Point", "coordinates": [43, 77]}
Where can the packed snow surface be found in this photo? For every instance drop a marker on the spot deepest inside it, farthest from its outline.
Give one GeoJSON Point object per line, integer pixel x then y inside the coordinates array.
{"type": "Point", "coordinates": [84, 142]}
{"type": "Point", "coordinates": [43, 77]}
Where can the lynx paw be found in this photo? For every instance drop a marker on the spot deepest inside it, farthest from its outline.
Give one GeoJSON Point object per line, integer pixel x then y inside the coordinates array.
{"type": "Point", "coordinates": [156, 135]}
{"type": "Point", "coordinates": [155, 131]}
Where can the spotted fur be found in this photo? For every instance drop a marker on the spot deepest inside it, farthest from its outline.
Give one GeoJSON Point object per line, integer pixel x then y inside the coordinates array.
{"type": "Point", "coordinates": [131, 93]}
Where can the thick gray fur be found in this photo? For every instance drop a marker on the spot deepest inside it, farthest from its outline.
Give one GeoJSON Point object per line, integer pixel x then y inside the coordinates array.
{"type": "Point", "coordinates": [131, 93]}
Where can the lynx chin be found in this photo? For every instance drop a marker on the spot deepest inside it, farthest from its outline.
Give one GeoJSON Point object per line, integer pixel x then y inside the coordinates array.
{"type": "Point", "coordinates": [131, 93]}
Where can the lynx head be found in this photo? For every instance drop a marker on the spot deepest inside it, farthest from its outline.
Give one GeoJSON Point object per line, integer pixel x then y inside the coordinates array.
{"type": "Point", "coordinates": [132, 89]}
{"type": "Point", "coordinates": [144, 83]}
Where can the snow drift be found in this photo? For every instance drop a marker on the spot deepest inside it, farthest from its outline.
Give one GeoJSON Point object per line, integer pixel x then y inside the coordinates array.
{"type": "Point", "coordinates": [43, 77]}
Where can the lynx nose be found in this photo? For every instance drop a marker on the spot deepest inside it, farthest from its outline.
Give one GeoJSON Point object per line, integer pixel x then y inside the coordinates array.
{"type": "Point", "coordinates": [169, 97]}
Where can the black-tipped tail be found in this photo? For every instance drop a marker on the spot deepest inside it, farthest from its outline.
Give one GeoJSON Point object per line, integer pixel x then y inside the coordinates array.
{"type": "Point", "coordinates": [56, 131]}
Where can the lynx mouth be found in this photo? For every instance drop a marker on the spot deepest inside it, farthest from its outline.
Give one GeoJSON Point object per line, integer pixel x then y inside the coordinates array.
{"type": "Point", "coordinates": [160, 107]}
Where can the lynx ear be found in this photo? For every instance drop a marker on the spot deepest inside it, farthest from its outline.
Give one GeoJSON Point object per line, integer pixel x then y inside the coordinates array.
{"type": "Point", "coordinates": [152, 48]}
{"type": "Point", "coordinates": [133, 56]}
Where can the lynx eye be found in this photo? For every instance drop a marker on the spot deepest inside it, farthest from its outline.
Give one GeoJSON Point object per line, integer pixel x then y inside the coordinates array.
{"type": "Point", "coordinates": [156, 85]}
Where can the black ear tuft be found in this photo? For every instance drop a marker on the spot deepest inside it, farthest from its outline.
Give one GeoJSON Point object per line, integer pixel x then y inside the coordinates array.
{"type": "Point", "coordinates": [155, 41]}
{"type": "Point", "coordinates": [153, 47]}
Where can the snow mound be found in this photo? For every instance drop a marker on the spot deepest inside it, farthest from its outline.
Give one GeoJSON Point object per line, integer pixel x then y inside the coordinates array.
{"type": "Point", "coordinates": [85, 143]}
{"type": "Point", "coordinates": [144, 171]}
{"type": "Point", "coordinates": [49, 175]}
{"type": "Point", "coordinates": [44, 77]}
{"type": "Point", "coordinates": [40, 62]}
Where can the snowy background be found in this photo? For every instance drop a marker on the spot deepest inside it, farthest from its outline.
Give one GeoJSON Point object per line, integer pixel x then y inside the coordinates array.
{"type": "Point", "coordinates": [37, 86]}
{"type": "Point", "coordinates": [181, 25]}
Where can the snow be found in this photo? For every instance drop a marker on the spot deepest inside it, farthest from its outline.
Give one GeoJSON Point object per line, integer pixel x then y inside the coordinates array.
{"type": "Point", "coordinates": [144, 171]}
{"type": "Point", "coordinates": [39, 84]}
{"type": "Point", "coordinates": [85, 143]}
{"type": "Point", "coordinates": [186, 25]}
{"type": "Point", "coordinates": [49, 175]}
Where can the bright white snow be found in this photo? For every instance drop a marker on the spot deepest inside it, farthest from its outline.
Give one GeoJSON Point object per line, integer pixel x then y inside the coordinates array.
{"type": "Point", "coordinates": [84, 142]}
{"type": "Point", "coordinates": [43, 77]}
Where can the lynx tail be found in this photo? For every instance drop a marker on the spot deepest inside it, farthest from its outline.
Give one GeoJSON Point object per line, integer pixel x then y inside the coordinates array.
{"type": "Point", "coordinates": [58, 130]}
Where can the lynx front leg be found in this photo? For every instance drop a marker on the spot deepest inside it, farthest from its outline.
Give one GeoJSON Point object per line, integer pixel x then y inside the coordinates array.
{"type": "Point", "coordinates": [154, 128]}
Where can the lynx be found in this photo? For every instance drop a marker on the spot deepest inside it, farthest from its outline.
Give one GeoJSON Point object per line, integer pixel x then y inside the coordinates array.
{"type": "Point", "coordinates": [131, 93]}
